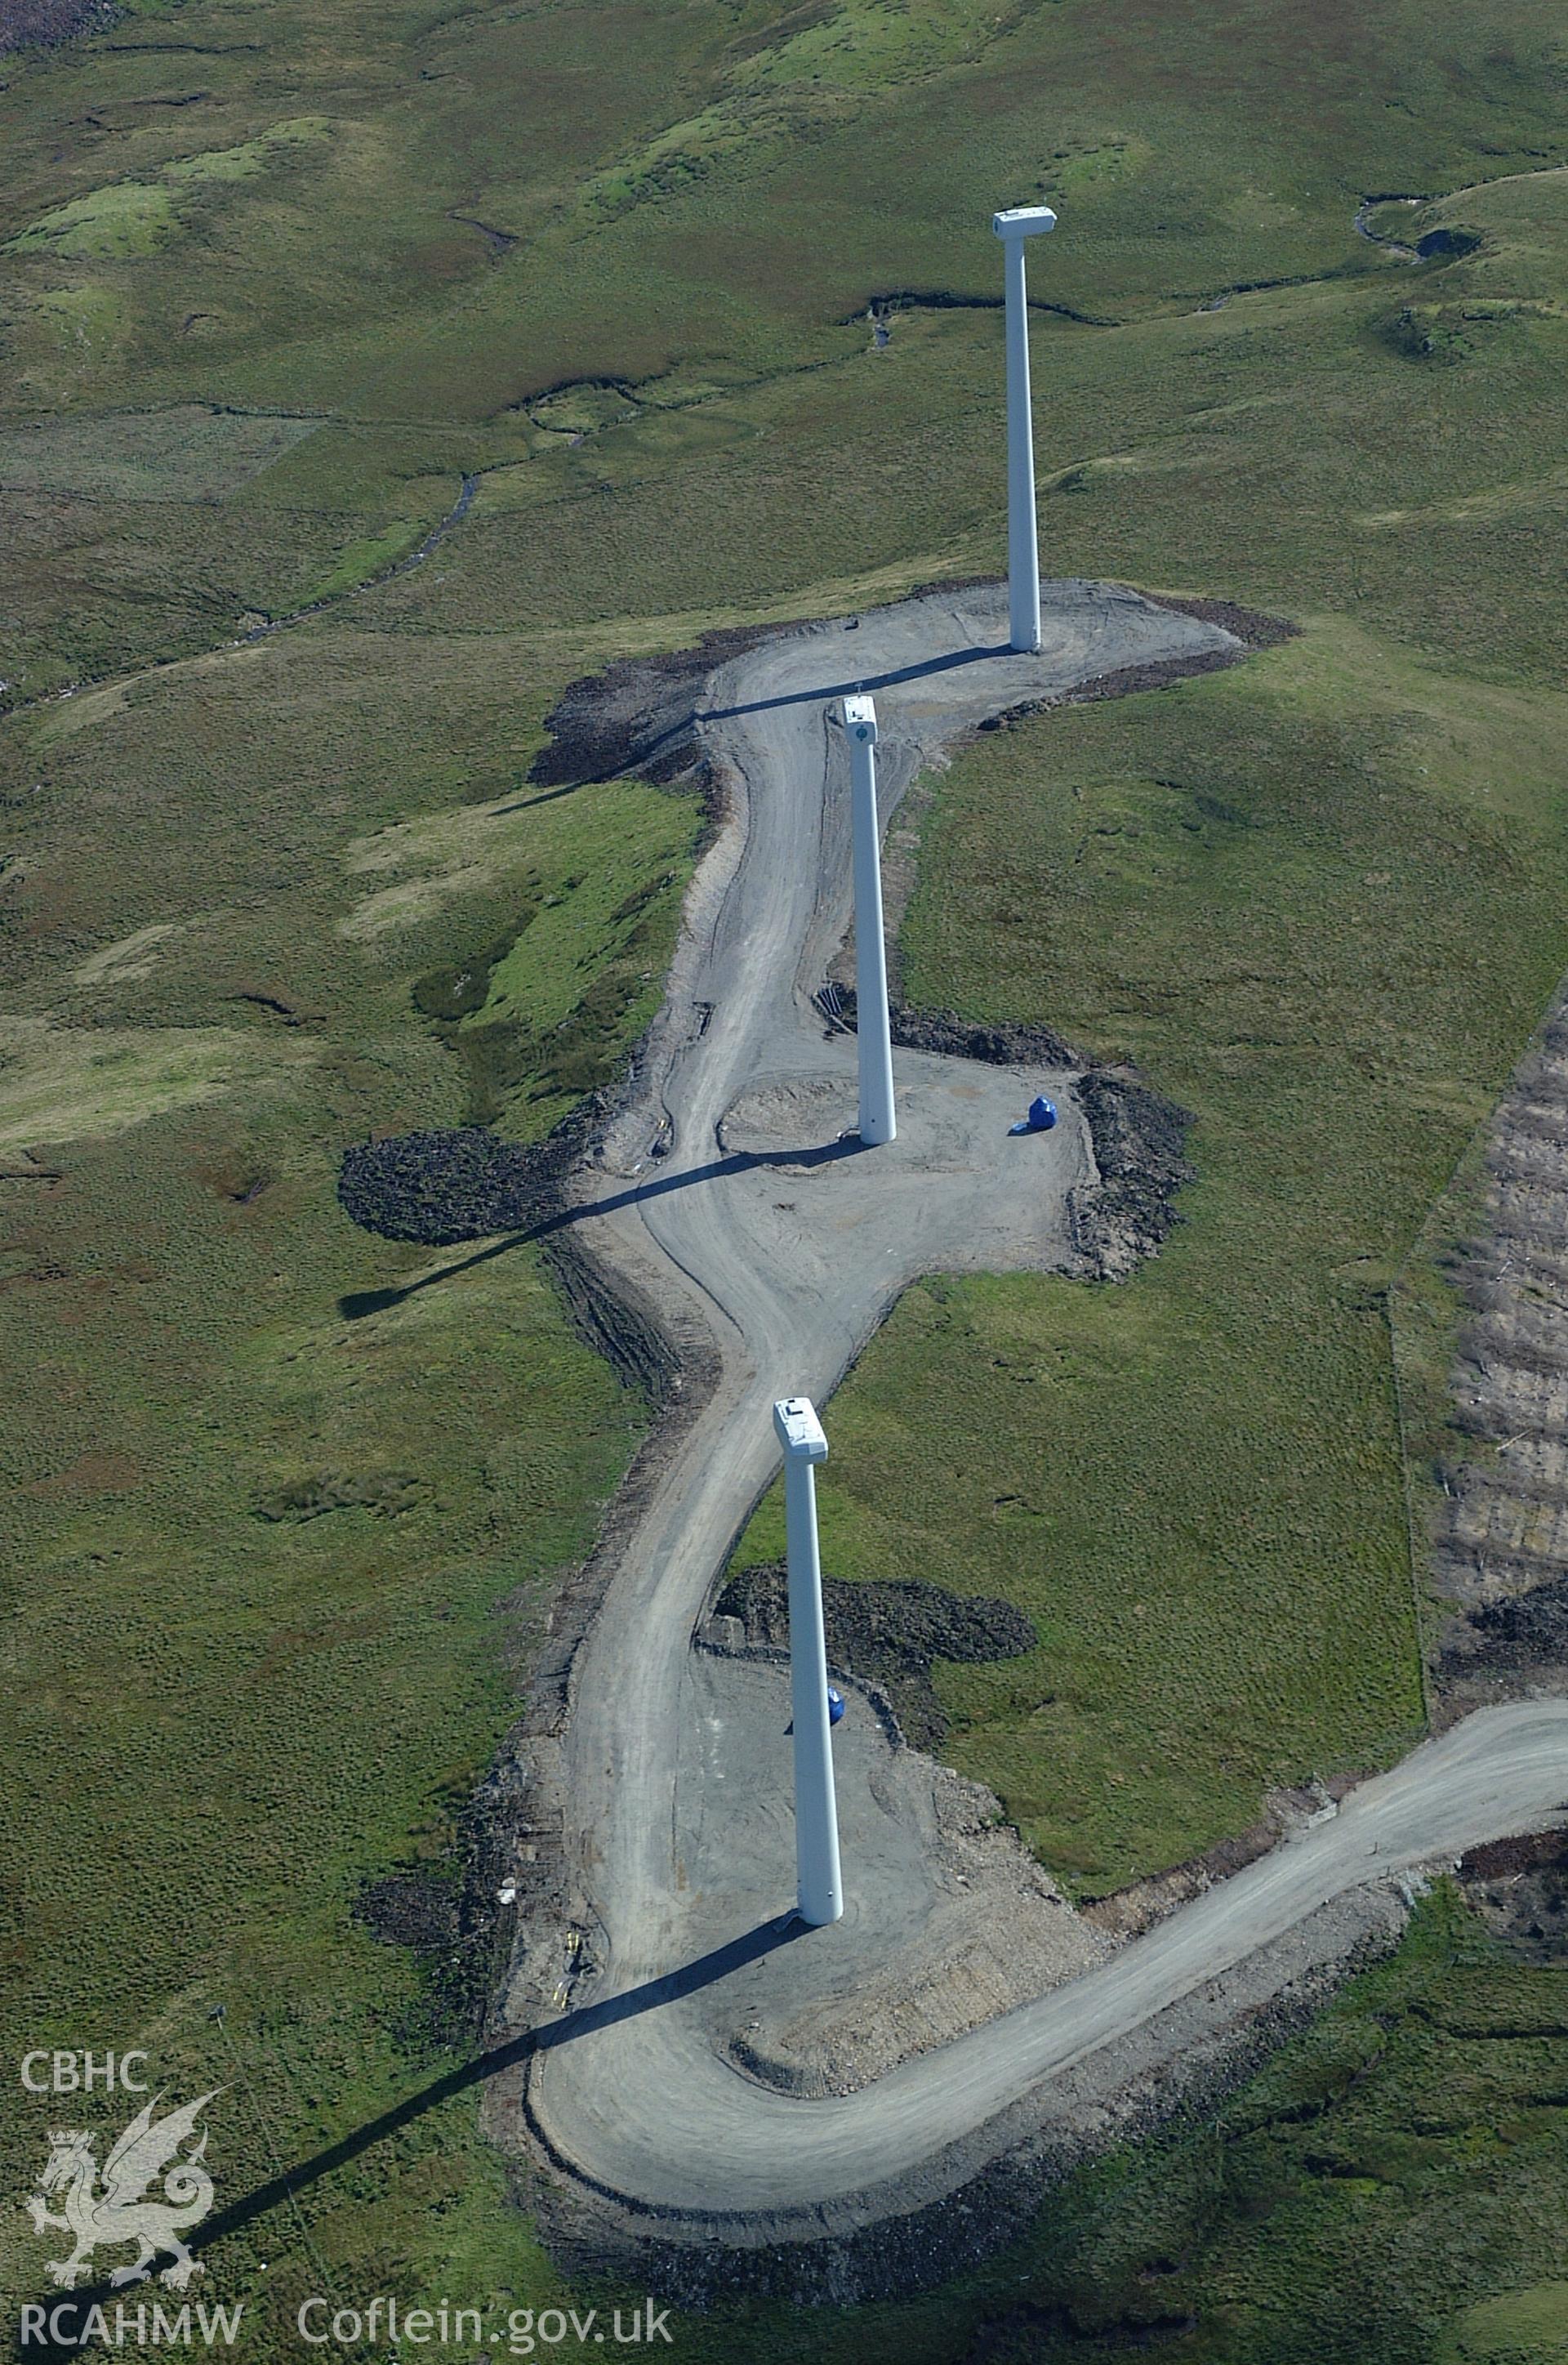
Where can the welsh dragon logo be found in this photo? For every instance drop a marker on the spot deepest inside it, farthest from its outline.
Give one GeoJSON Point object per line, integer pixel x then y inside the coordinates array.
{"type": "Point", "coordinates": [102, 2217]}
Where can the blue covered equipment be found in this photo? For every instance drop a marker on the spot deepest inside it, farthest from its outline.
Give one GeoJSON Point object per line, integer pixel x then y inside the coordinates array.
{"type": "Point", "coordinates": [835, 1705]}
{"type": "Point", "coordinates": [1041, 1118]}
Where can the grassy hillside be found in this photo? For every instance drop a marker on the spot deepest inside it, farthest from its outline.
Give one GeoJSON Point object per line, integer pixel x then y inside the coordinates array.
{"type": "Point", "coordinates": [397, 266]}
{"type": "Point", "coordinates": [272, 1569]}
{"type": "Point", "coordinates": [274, 281]}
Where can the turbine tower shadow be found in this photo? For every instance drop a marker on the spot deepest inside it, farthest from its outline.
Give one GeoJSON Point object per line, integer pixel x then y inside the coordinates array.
{"type": "Point", "coordinates": [359, 1303]}
{"type": "Point", "coordinates": [704, 1970]}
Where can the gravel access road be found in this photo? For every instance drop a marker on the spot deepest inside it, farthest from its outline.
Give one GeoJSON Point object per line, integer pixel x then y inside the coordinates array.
{"type": "Point", "coordinates": [786, 1247]}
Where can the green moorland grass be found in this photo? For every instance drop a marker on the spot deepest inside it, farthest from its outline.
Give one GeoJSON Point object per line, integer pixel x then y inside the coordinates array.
{"type": "Point", "coordinates": [701, 200]}
{"type": "Point", "coordinates": [253, 1652]}
{"type": "Point", "coordinates": [342, 275]}
{"type": "Point", "coordinates": [271, 1570]}
{"type": "Point", "coordinates": [192, 451]}
{"type": "Point", "coordinates": [544, 1013]}
{"type": "Point", "coordinates": [1426, 487]}
{"type": "Point", "coordinates": [96, 587]}
{"type": "Point", "coordinates": [701, 184]}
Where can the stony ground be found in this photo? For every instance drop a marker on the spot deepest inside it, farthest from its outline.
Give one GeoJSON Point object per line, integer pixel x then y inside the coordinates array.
{"type": "Point", "coordinates": [1502, 1550]}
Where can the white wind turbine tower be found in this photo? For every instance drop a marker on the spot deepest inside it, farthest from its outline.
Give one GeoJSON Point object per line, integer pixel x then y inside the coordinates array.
{"type": "Point", "coordinates": [821, 1887]}
{"type": "Point", "coordinates": [1013, 227]}
{"type": "Point", "coordinates": [872, 1026]}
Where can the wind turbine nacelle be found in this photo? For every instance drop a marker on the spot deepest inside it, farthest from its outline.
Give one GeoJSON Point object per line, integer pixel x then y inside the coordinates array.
{"type": "Point", "coordinates": [1023, 221]}
{"type": "Point", "coordinates": [860, 719]}
{"type": "Point", "coordinates": [800, 1430]}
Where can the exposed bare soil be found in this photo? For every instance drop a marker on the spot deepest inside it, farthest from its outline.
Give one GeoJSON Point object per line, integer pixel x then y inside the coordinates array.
{"type": "Point", "coordinates": [42, 23]}
{"type": "Point", "coordinates": [637, 714]}
{"type": "Point", "coordinates": [1520, 1889]}
{"type": "Point", "coordinates": [1501, 1554]}
{"type": "Point", "coordinates": [888, 1634]}
{"type": "Point", "coordinates": [1139, 1140]}
{"type": "Point", "coordinates": [462, 1183]}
